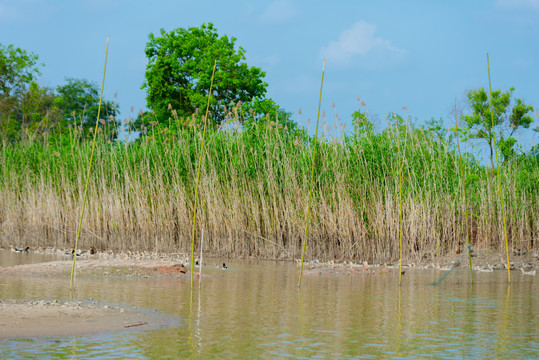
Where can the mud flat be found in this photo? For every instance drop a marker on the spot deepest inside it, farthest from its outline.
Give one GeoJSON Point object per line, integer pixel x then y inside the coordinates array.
{"type": "Point", "coordinates": [100, 265]}
{"type": "Point", "coordinates": [482, 261]}
{"type": "Point", "coordinates": [59, 318]}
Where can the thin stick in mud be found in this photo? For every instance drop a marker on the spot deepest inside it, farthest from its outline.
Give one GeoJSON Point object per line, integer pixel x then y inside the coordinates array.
{"type": "Point", "coordinates": [90, 164]}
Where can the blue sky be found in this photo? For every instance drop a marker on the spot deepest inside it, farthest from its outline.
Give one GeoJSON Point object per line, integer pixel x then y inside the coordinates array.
{"type": "Point", "coordinates": [390, 54]}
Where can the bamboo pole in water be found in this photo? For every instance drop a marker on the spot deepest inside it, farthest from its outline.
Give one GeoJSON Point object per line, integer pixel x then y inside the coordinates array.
{"type": "Point", "coordinates": [400, 197]}
{"type": "Point", "coordinates": [198, 172]}
{"type": "Point", "coordinates": [200, 260]}
{"type": "Point", "coordinates": [90, 164]}
{"type": "Point", "coordinates": [499, 176]}
{"type": "Point", "coordinates": [315, 141]}
{"type": "Point", "coordinates": [464, 192]}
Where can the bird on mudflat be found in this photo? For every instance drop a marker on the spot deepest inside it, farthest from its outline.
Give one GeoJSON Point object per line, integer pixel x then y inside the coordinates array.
{"type": "Point", "coordinates": [72, 253]}
{"type": "Point", "coordinates": [528, 269]}
{"type": "Point", "coordinates": [17, 250]}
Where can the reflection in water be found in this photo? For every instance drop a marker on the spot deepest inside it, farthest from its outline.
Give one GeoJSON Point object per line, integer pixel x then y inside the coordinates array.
{"type": "Point", "coordinates": [198, 333]}
{"type": "Point", "coordinates": [11, 258]}
{"type": "Point", "coordinates": [399, 320]}
{"type": "Point", "coordinates": [254, 309]}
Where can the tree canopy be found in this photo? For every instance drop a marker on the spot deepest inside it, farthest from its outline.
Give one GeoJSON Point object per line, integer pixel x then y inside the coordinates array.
{"type": "Point", "coordinates": [179, 72]}
{"type": "Point", "coordinates": [18, 69]}
{"type": "Point", "coordinates": [506, 120]}
{"type": "Point", "coordinates": [79, 101]}
{"type": "Point", "coordinates": [27, 109]}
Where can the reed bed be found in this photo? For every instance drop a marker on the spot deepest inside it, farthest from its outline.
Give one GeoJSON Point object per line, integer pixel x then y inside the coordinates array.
{"type": "Point", "coordinates": [253, 195]}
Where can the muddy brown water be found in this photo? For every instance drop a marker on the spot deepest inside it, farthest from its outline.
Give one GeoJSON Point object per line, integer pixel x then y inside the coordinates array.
{"type": "Point", "coordinates": [254, 310]}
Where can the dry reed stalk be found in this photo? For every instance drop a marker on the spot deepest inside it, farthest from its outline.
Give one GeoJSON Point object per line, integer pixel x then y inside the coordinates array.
{"type": "Point", "coordinates": [499, 188]}
{"type": "Point", "coordinates": [311, 185]}
{"type": "Point", "coordinates": [90, 163]}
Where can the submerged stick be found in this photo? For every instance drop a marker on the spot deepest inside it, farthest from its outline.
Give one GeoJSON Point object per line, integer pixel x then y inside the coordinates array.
{"type": "Point", "coordinates": [198, 172]}
{"type": "Point", "coordinates": [90, 164]}
{"type": "Point", "coordinates": [315, 142]}
{"type": "Point", "coordinates": [441, 278]}
{"type": "Point", "coordinates": [464, 192]}
{"type": "Point", "coordinates": [498, 174]}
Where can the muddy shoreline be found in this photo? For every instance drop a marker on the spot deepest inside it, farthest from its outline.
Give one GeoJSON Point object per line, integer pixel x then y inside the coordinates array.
{"type": "Point", "coordinates": [151, 264]}
{"type": "Point", "coordinates": [58, 318]}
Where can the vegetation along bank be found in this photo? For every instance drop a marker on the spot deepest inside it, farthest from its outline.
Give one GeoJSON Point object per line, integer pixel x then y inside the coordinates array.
{"type": "Point", "coordinates": [255, 170]}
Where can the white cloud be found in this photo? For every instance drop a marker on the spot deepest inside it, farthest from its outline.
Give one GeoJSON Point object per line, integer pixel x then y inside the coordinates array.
{"type": "Point", "coordinates": [518, 4]}
{"type": "Point", "coordinates": [23, 10]}
{"type": "Point", "coordinates": [279, 11]}
{"type": "Point", "coordinates": [360, 42]}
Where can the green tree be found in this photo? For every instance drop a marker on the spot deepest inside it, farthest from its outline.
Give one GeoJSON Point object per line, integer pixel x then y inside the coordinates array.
{"type": "Point", "coordinates": [362, 125]}
{"type": "Point", "coordinates": [179, 70]}
{"type": "Point", "coordinates": [80, 102]}
{"type": "Point", "coordinates": [18, 69]}
{"type": "Point", "coordinates": [40, 112]}
{"type": "Point", "coordinates": [263, 113]}
{"type": "Point", "coordinates": [506, 119]}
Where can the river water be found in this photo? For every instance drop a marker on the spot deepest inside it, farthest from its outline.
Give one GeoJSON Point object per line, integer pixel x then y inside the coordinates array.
{"type": "Point", "coordinates": [255, 310]}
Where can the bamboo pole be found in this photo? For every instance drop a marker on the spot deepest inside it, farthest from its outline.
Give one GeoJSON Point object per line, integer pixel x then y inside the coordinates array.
{"type": "Point", "coordinates": [200, 261]}
{"type": "Point", "coordinates": [90, 164]}
{"type": "Point", "coordinates": [315, 142]}
{"type": "Point", "coordinates": [400, 197]}
{"type": "Point", "coordinates": [464, 192]}
{"type": "Point", "coordinates": [498, 174]}
{"type": "Point", "coordinates": [198, 173]}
